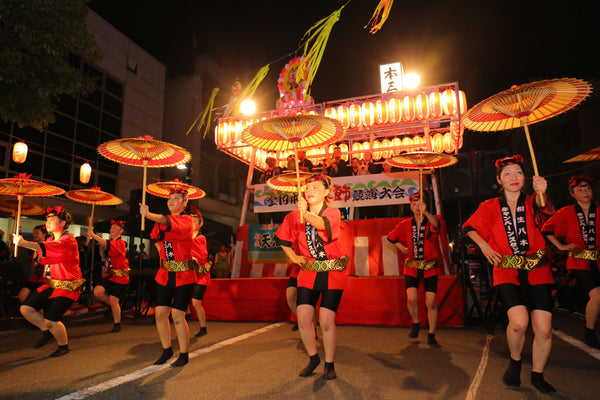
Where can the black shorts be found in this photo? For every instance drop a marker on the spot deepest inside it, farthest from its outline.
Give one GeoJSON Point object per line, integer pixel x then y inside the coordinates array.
{"type": "Point", "coordinates": [178, 297]}
{"type": "Point", "coordinates": [32, 285]}
{"type": "Point", "coordinates": [53, 308]}
{"type": "Point", "coordinates": [292, 282]}
{"type": "Point", "coordinates": [330, 298]}
{"type": "Point", "coordinates": [112, 288]}
{"type": "Point", "coordinates": [429, 283]}
{"type": "Point", "coordinates": [535, 297]}
{"type": "Point", "coordinates": [588, 279]}
{"type": "Point", "coordinates": [198, 292]}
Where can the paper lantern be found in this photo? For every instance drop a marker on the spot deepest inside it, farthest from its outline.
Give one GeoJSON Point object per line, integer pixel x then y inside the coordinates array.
{"type": "Point", "coordinates": [85, 172]}
{"type": "Point", "coordinates": [407, 141]}
{"type": "Point", "coordinates": [366, 146]}
{"type": "Point", "coordinates": [408, 108]}
{"type": "Point", "coordinates": [381, 112]}
{"type": "Point", "coordinates": [376, 154]}
{"type": "Point", "coordinates": [448, 143]}
{"type": "Point", "coordinates": [396, 143]}
{"type": "Point", "coordinates": [385, 145]}
{"type": "Point", "coordinates": [356, 147]}
{"type": "Point", "coordinates": [344, 148]}
{"type": "Point", "coordinates": [394, 110]}
{"type": "Point", "coordinates": [435, 104]}
{"type": "Point", "coordinates": [453, 102]}
{"type": "Point", "coordinates": [330, 113]}
{"type": "Point", "coordinates": [354, 115]}
{"type": "Point", "coordinates": [367, 114]}
{"type": "Point", "coordinates": [437, 143]}
{"type": "Point", "coordinates": [418, 140]}
{"type": "Point", "coordinates": [342, 116]}
{"type": "Point", "coordinates": [19, 152]}
{"type": "Point", "coordinates": [422, 106]}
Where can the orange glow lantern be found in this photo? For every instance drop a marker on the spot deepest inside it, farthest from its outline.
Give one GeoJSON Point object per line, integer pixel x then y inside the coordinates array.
{"type": "Point", "coordinates": [394, 110]}
{"type": "Point", "coordinates": [344, 148]}
{"type": "Point", "coordinates": [437, 143]}
{"type": "Point", "coordinates": [354, 115]}
{"type": "Point", "coordinates": [381, 112]}
{"type": "Point", "coordinates": [422, 106]}
{"type": "Point", "coordinates": [435, 104]}
{"type": "Point", "coordinates": [385, 145]}
{"type": "Point", "coordinates": [343, 117]}
{"type": "Point", "coordinates": [366, 146]}
{"type": "Point", "coordinates": [408, 108]}
{"type": "Point", "coordinates": [330, 112]}
{"type": "Point", "coordinates": [85, 172]}
{"type": "Point", "coordinates": [367, 110]}
{"type": "Point", "coordinates": [376, 154]}
{"type": "Point", "coordinates": [453, 102]}
{"type": "Point", "coordinates": [407, 141]}
{"type": "Point", "coordinates": [418, 140]}
{"type": "Point", "coordinates": [19, 152]}
{"type": "Point", "coordinates": [396, 142]}
{"type": "Point", "coordinates": [356, 147]}
{"type": "Point", "coordinates": [448, 143]}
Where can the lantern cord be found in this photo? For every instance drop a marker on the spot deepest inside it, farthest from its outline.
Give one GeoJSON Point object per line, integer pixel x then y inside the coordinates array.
{"type": "Point", "coordinates": [380, 15]}
{"type": "Point", "coordinates": [203, 119]}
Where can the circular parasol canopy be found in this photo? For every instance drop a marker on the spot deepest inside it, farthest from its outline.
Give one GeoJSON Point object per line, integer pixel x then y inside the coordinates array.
{"type": "Point", "coordinates": [93, 196]}
{"type": "Point", "coordinates": [289, 182]}
{"type": "Point", "coordinates": [27, 208]}
{"type": "Point", "coordinates": [21, 185]}
{"type": "Point", "coordinates": [526, 104]}
{"type": "Point", "coordinates": [293, 131]}
{"type": "Point", "coordinates": [144, 151]}
{"type": "Point", "coordinates": [422, 159]}
{"type": "Point", "coordinates": [163, 189]}
{"type": "Point", "coordinates": [590, 155]}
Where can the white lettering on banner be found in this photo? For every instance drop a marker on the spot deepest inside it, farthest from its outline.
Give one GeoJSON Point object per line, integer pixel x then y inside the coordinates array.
{"type": "Point", "coordinates": [346, 191]}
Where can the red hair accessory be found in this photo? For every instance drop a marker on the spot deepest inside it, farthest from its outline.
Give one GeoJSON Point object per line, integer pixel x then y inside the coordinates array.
{"type": "Point", "coordinates": [503, 162]}
{"type": "Point", "coordinates": [177, 189]}
{"type": "Point", "coordinates": [145, 137]}
{"type": "Point", "coordinates": [577, 179]}
{"type": "Point", "coordinates": [23, 175]}
{"type": "Point", "coordinates": [196, 215]}
{"type": "Point", "coordinates": [415, 196]}
{"type": "Point", "coordinates": [55, 211]}
{"type": "Point", "coordinates": [116, 222]}
{"type": "Point", "coordinates": [320, 177]}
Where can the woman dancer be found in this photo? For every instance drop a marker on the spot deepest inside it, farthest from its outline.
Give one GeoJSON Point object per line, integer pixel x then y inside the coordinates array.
{"type": "Point", "coordinates": [200, 255]}
{"type": "Point", "coordinates": [115, 280]}
{"type": "Point", "coordinates": [577, 224]}
{"type": "Point", "coordinates": [415, 237]}
{"type": "Point", "coordinates": [322, 268]}
{"type": "Point", "coordinates": [507, 230]}
{"type": "Point", "coordinates": [37, 278]}
{"type": "Point", "coordinates": [60, 257]}
{"type": "Point", "coordinates": [176, 276]}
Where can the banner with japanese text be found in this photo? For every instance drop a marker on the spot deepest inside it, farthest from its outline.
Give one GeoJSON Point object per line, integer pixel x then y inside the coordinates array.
{"type": "Point", "coordinates": [347, 191]}
{"type": "Point", "coordinates": [262, 245]}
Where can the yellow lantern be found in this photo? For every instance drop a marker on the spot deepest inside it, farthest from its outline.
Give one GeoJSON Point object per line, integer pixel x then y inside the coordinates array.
{"type": "Point", "coordinates": [344, 148]}
{"type": "Point", "coordinates": [343, 117]}
{"type": "Point", "coordinates": [453, 102]}
{"type": "Point", "coordinates": [366, 146]}
{"type": "Point", "coordinates": [437, 143]}
{"type": "Point", "coordinates": [19, 152]}
{"type": "Point", "coordinates": [354, 115]}
{"type": "Point", "coordinates": [394, 110]}
{"type": "Point", "coordinates": [367, 111]}
{"type": "Point", "coordinates": [356, 147]}
{"type": "Point", "coordinates": [330, 112]}
{"type": "Point", "coordinates": [418, 140]}
{"type": "Point", "coordinates": [422, 106]}
{"type": "Point", "coordinates": [435, 104]}
{"type": "Point", "coordinates": [385, 145]}
{"type": "Point", "coordinates": [85, 172]}
{"type": "Point", "coordinates": [407, 142]}
{"type": "Point", "coordinates": [396, 142]}
{"type": "Point", "coordinates": [376, 154]}
{"type": "Point", "coordinates": [448, 144]}
{"type": "Point", "coordinates": [381, 112]}
{"type": "Point", "coordinates": [408, 108]}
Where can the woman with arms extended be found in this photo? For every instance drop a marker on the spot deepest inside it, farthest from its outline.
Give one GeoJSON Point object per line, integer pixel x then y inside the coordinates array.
{"type": "Point", "coordinates": [577, 225]}
{"type": "Point", "coordinates": [507, 230]}
{"type": "Point", "coordinates": [115, 280]}
{"type": "Point", "coordinates": [176, 276]}
{"type": "Point", "coordinates": [322, 268]}
{"type": "Point", "coordinates": [60, 257]}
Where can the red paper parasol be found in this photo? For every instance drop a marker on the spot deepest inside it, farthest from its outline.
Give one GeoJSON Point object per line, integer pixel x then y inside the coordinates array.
{"type": "Point", "coordinates": [420, 160]}
{"type": "Point", "coordinates": [527, 104]}
{"type": "Point", "coordinates": [293, 132]}
{"type": "Point", "coordinates": [289, 182]}
{"type": "Point", "coordinates": [93, 196]}
{"type": "Point", "coordinates": [21, 186]}
{"type": "Point", "coordinates": [145, 152]}
{"type": "Point", "coordinates": [163, 189]}
{"type": "Point", "coordinates": [590, 155]}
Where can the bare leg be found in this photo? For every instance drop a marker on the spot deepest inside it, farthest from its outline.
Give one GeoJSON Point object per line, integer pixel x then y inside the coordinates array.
{"type": "Point", "coordinates": [305, 314]}
{"type": "Point", "coordinates": [34, 317]}
{"type": "Point", "coordinates": [100, 294]}
{"type": "Point", "coordinates": [411, 304]}
{"type": "Point", "coordinates": [182, 329]}
{"type": "Point", "coordinates": [327, 321]}
{"type": "Point", "coordinates": [23, 294]}
{"type": "Point", "coordinates": [59, 332]}
{"type": "Point", "coordinates": [541, 322]}
{"type": "Point", "coordinates": [592, 309]}
{"type": "Point", "coordinates": [518, 319]}
{"type": "Point", "coordinates": [432, 311]}
{"type": "Point", "coordinates": [162, 325]}
{"type": "Point", "coordinates": [290, 296]}
{"type": "Point", "coordinates": [116, 309]}
{"type": "Point", "coordinates": [197, 304]}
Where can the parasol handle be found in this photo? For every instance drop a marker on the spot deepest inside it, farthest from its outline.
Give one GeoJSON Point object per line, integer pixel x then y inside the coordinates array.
{"type": "Point", "coordinates": [421, 184]}
{"type": "Point", "coordinates": [535, 168]}
{"type": "Point", "coordinates": [143, 223]}
{"type": "Point", "coordinates": [298, 178]}
{"type": "Point", "coordinates": [18, 220]}
{"type": "Point", "coordinates": [92, 216]}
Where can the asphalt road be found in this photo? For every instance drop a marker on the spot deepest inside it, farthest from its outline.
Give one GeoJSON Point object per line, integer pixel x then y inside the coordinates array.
{"type": "Point", "coordinates": [262, 360]}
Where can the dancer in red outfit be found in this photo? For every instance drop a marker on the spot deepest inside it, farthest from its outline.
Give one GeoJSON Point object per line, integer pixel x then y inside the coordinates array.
{"type": "Point", "coordinates": [176, 276]}
{"type": "Point", "coordinates": [115, 280]}
{"type": "Point", "coordinates": [37, 278]}
{"type": "Point", "coordinates": [507, 230]}
{"type": "Point", "coordinates": [577, 226]}
{"type": "Point", "coordinates": [415, 237]}
{"type": "Point", "coordinates": [322, 268]}
{"type": "Point", "coordinates": [200, 255]}
{"type": "Point", "coordinates": [60, 257]}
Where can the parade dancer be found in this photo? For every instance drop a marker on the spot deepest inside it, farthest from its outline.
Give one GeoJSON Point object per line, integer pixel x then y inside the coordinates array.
{"type": "Point", "coordinates": [60, 257]}
{"type": "Point", "coordinates": [415, 237]}
{"type": "Point", "coordinates": [577, 226]}
{"type": "Point", "coordinates": [37, 279]}
{"type": "Point", "coordinates": [322, 268]}
{"type": "Point", "coordinates": [507, 230]}
{"type": "Point", "coordinates": [116, 278]}
{"type": "Point", "coordinates": [176, 276]}
{"type": "Point", "coordinates": [200, 256]}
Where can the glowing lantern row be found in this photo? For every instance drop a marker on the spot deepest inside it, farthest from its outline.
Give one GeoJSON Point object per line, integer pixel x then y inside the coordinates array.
{"type": "Point", "coordinates": [19, 152]}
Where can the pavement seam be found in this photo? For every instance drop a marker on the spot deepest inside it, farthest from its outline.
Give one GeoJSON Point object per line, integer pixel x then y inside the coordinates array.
{"type": "Point", "coordinates": [472, 392]}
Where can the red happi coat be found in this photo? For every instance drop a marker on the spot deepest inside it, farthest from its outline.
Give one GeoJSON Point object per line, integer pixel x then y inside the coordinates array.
{"type": "Point", "coordinates": [564, 224]}
{"type": "Point", "coordinates": [200, 254]}
{"type": "Point", "coordinates": [487, 221]}
{"type": "Point", "coordinates": [178, 232]}
{"type": "Point", "coordinates": [116, 254]}
{"type": "Point", "coordinates": [61, 258]}
{"type": "Point", "coordinates": [402, 233]}
{"type": "Point", "coordinates": [291, 233]}
{"type": "Point", "coordinates": [36, 267]}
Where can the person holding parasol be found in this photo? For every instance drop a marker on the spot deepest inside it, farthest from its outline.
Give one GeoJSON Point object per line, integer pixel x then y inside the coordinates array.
{"type": "Point", "coordinates": [176, 276]}
{"type": "Point", "coordinates": [60, 257]}
{"type": "Point", "coordinates": [116, 278]}
{"type": "Point", "coordinates": [577, 225]}
{"type": "Point", "coordinates": [415, 237]}
{"type": "Point", "coordinates": [314, 244]}
{"type": "Point", "coordinates": [507, 230]}
{"type": "Point", "coordinates": [200, 256]}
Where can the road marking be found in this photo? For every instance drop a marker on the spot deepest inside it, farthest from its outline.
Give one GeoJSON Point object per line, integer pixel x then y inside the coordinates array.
{"type": "Point", "coordinates": [577, 343]}
{"type": "Point", "coordinates": [472, 392]}
{"type": "Point", "coordinates": [82, 394]}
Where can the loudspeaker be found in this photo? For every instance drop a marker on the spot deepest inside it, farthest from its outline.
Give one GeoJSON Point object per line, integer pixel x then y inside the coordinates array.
{"type": "Point", "coordinates": [487, 185]}
{"type": "Point", "coordinates": [457, 179]}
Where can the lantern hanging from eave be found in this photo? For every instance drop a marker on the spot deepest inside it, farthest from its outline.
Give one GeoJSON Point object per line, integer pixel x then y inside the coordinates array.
{"type": "Point", "coordinates": [354, 115]}
{"type": "Point", "coordinates": [367, 114]}
{"type": "Point", "coordinates": [376, 152]}
{"type": "Point", "coordinates": [448, 143]}
{"type": "Point", "coordinates": [342, 116]}
{"type": "Point", "coordinates": [344, 148]}
{"type": "Point", "coordinates": [396, 143]}
{"type": "Point", "coordinates": [356, 147]}
{"type": "Point", "coordinates": [435, 104]}
{"type": "Point", "coordinates": [418, 140]}
{"type": "Point", "coordinates": [394, 110]}
{"type": "Point", "coordinates": [85, 172]}
{"type": "Point", "coordinates": [381, 112]}
{"type": "Point", "coordinates": [437, 143]}
{"type": "Point", "coordinates": [19, 154]}
{"type": "Point", "coordinates": [408, 108]}
{"type": "Point", "coordinates": [453, 102]}
{"type": "Point", "coordinates": [366, 145]}
{"type": "Point", "coordinates": [422, 106]}
{"type": "Point", "coordinates": [407, 141]}
{"type": "Point", "coordinates": [331, 113]}
{"type": "Point", "coordinates": [385, 145]}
